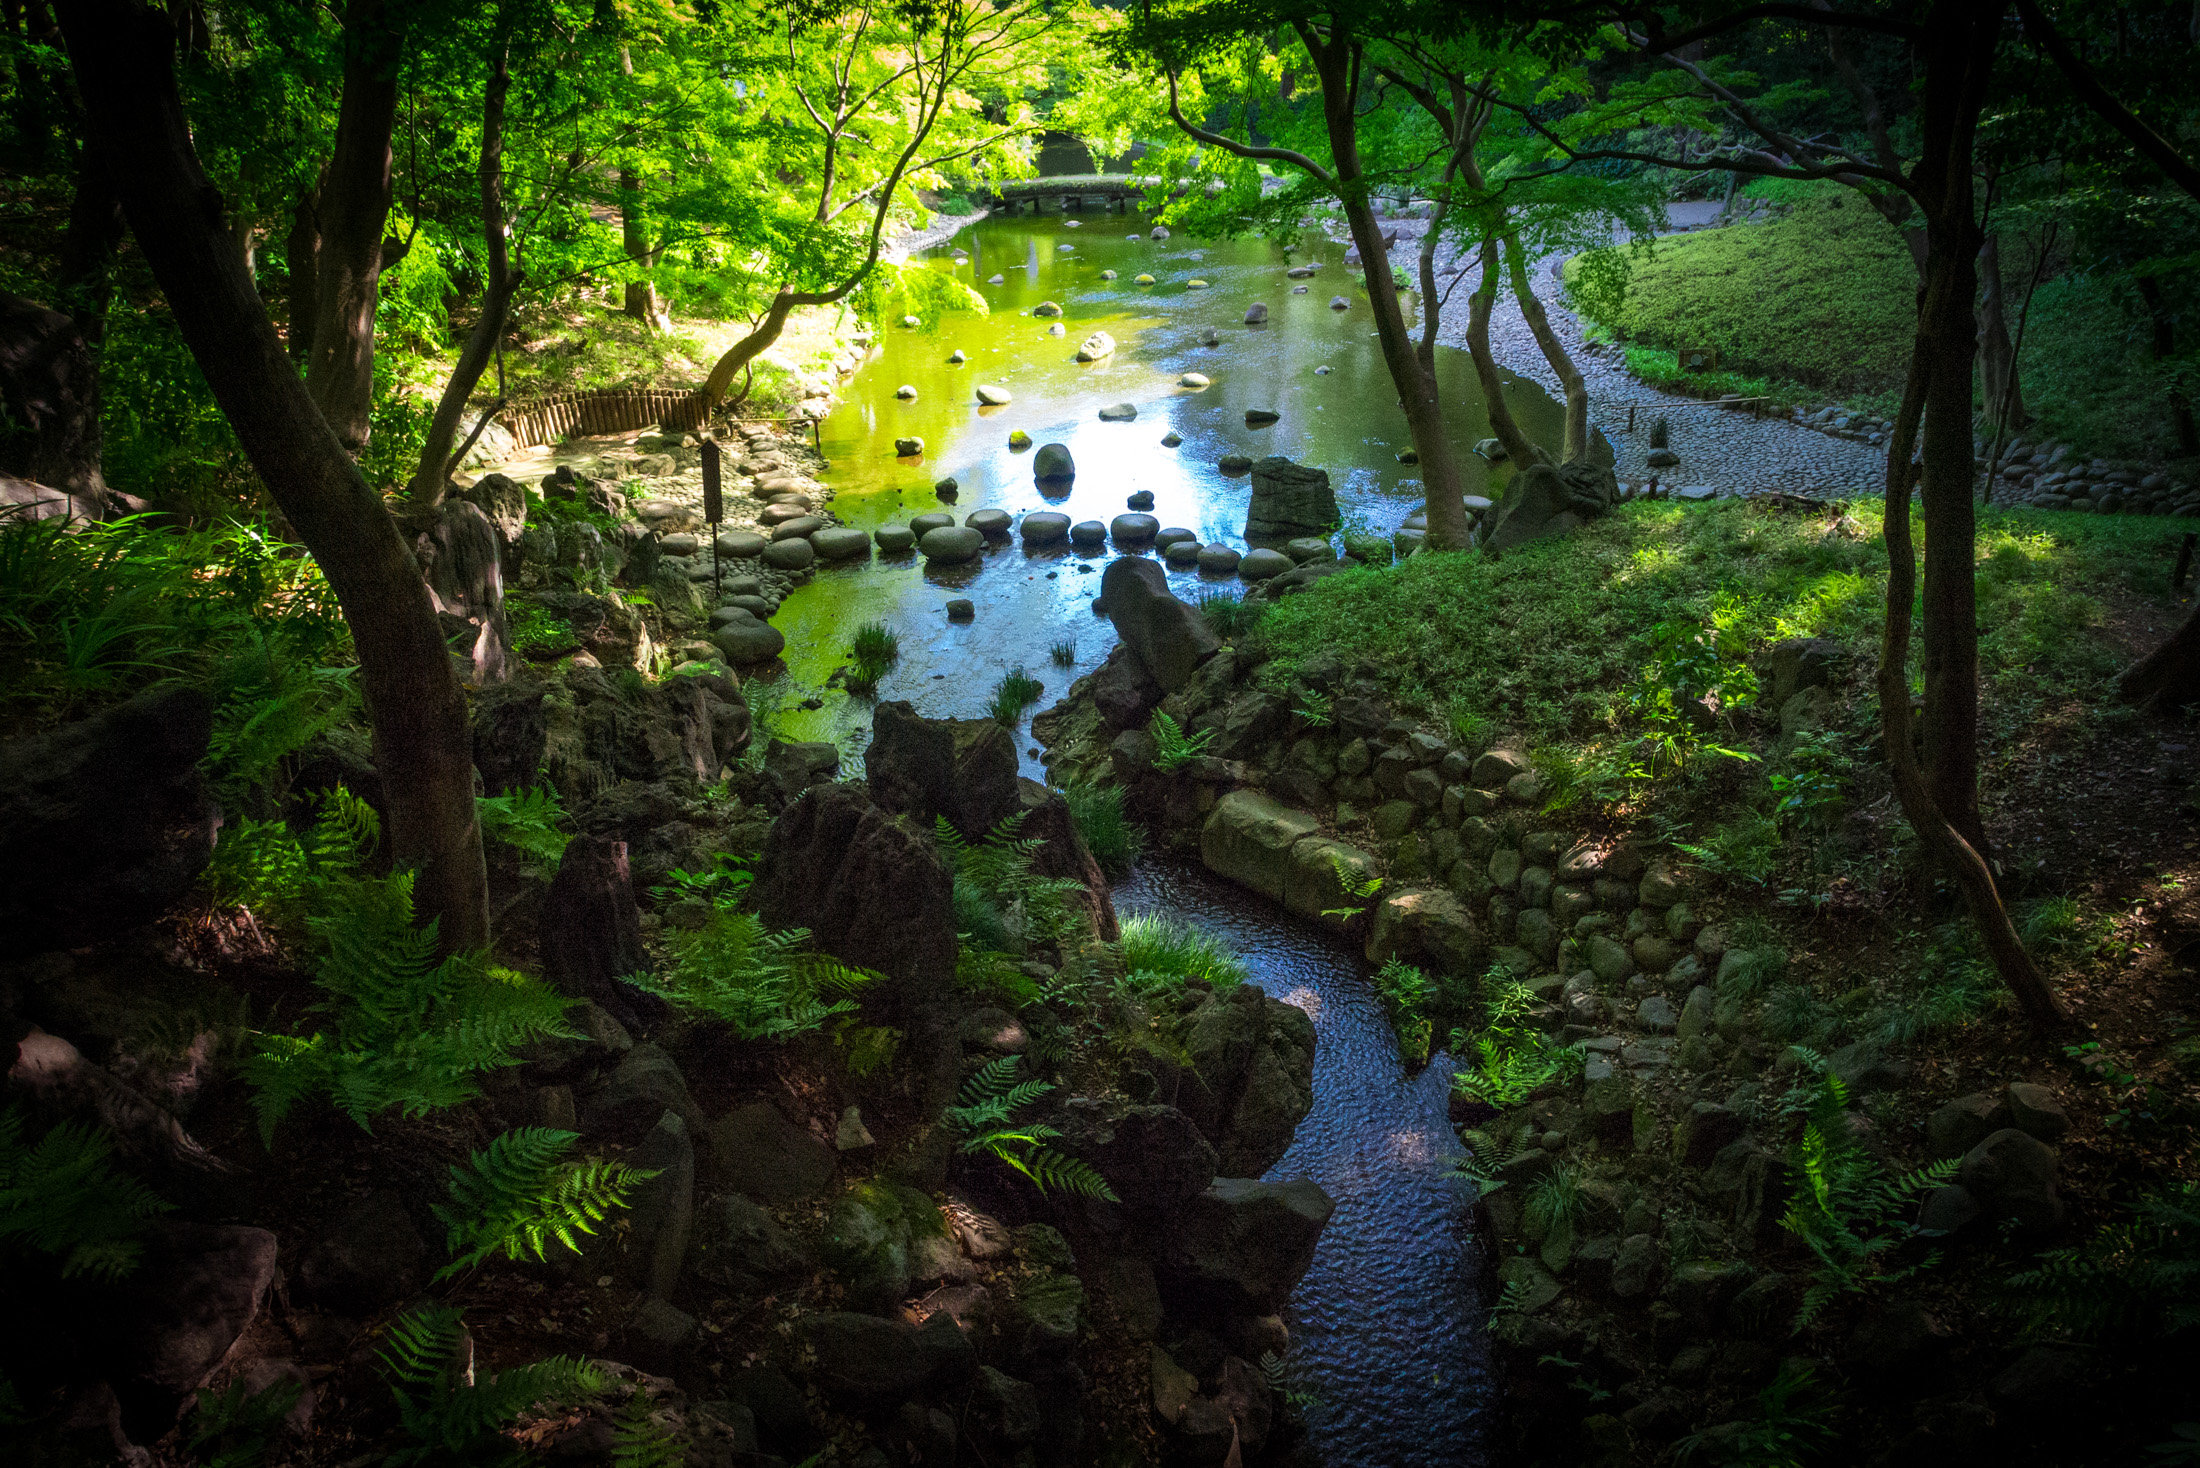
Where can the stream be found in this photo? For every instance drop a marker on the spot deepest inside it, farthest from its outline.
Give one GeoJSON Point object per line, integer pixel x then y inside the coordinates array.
{"type": "Point", "coordinates": [1386, 1341]}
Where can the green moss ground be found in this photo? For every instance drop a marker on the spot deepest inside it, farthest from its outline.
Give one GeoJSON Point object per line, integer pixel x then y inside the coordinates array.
{"type": "Point", "coordinates": [1548, 641]}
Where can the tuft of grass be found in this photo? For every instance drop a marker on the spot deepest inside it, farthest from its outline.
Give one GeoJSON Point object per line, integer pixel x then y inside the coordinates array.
{"type": "Point", "coordinates": [1110, 835]}
{"type": "Point", "coordinates": [1231, 616]}
{"type": "Point", "coordinates": [877, 644]}
{"type": "Point", "coordinates": [1064, 654]}
{"type": "Point", "coordinates": [1165, 953]}
{"type": "Point", "coordinates": [1016, 692]}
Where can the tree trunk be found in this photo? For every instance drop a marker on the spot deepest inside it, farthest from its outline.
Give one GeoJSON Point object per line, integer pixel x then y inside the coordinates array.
{"type": "Point", "coordinates": [96, 226]}
{"type": "Point", "coordinates": [1940, 796]}
{"type": "Point", "coordinates": [124, 57]}
{"type": "Point", "coordinates": [1997, 357]}
{"type": "Point", "coordinates": [1554, 352]}
{"type": "Point", "coordinates": [1522, 450]}
{"type": "Point", "coordinates": [2168, 677]}
{"type": "Point", "coordinates": [2164, 322]}
{"type": "Point", "coordinates": [354, 210]}
{"type": "Point", "coordinates": [302, 252]}
{"type": "Point", "coordinates": [1337, 61]}
{"type": "Point", "coordinates": [432, 475]}
{"type": "Point", "coordinates": [641, 295]}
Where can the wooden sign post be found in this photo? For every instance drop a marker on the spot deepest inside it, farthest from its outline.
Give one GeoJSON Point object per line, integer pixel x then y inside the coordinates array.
{"type": "Point", "coordinates": [714, 507]}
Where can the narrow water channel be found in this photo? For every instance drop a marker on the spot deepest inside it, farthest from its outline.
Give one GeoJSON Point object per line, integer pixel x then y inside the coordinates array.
{"type": "Point", "coordinates": [1385, 1327]}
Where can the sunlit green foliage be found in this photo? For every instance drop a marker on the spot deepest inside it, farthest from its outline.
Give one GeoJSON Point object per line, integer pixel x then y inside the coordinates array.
{"type": "Point", "coordinates": [525, 1191]}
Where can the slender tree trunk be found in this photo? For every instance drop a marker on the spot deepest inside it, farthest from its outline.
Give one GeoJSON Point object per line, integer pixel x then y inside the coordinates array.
{"type": "Point", "coordinates": [1337, 61]}
{"type": "Point", "coordinates": [641, 295]}
{"type": "Point", "coordinates": [2169, 676]}
{"type": "Point", "coordinates": [1997, 357]}
{"type": "Point", "coordinates": [303, 252]}
{"type": "Point", "coordinates": [2164, 343]}
{"type": "Point", "coordinates": [124, 57]}
{"type": "Point", "coordinates": [432, 475]}
{"type": "Point", "coordinates": [1432, 308]}
{"type": "Point", "coordinates": [1521, 449]}
{"type": "Point", "coordinates": [96, 226]}
{"type": "Point", "coordinates": [1940, 795]}
{"type": "Point", "coordinates": [1554, 351]}
{"type": "Point", "coordinates": [354, 211]}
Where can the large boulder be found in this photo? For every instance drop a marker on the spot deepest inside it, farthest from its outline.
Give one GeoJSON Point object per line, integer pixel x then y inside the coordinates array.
{"type": "Point", "coordinates": [1289, 500]}
{"type": "Point", "coordinates": [871, 890]}
{"type": "Point", "coordinates": [590, 935]}
{"type": "Point", "coordinates": [864, 1360]}
{"type": "Point", "coordinates": [737, 1246]}
{"type": "Point", "coordinates": [1546, 499]}
{"type": "Point", "coordinates": [49, 391]}
{"type": "Point", "coordinates": [1251, 1080]}
{"type": "Point", "coordinates": [870, 1236]}
{"type": "Point", "coordinates": [2012, 1175]}
{"type": "Point", "coordinates": [1427, 928]}
{"type": "Point", "coordinates": [1168, 637]}
{"type": "Point", "coordinates": [199, 1288]}
{"type": "Point", "coordinates": [1155, 1157]}
{"type": "Point", "coordinates": [104, 822]}
{"type": "Point", "coordinates": [1249, 838]}
{"type": "Point", "coordinates": [1244, 1245]}
{"type": "Point", "coordinates": [757, 1151]}
{"type": "Point", "coordinates": [963, 769]}
{"type": "Point", "coordinates": [1123, 692]}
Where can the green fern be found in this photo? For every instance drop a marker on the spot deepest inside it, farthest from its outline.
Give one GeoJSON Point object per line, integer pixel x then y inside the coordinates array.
{"type": "Point", "coordinates": [759, 983]}
{"type": "Point", "coordinates": [1847, 1210]}
{"type": "Point", "coordinates": [232, 1428]}
{"type": "Point", "coordinates": [521, 1192]}
{"type": "Point", "coordinates": [985, 1118]}
{"type": "Point", "coordinates": [527, 821]}
{"type": "Point", "coordinates": [1507, 1061]}
{"type": "Point", "coordinates": [2136, 1279]}
{"type": "Point", "coordinates": [1000, 903]}
{"type": "Point", "coordinates": [454, 1412]}
{"type": "Point", "coordinates": [1176, 748]}
{"type": "Point", "coordinates": [62, 1195]}
{"type": "Point", "coordinates": [404, 1029]}
{"type": "Point", "coordinates": [639, 1440]}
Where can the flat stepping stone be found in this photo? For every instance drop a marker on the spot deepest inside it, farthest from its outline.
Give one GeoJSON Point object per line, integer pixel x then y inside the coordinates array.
{"type": "Point", "coordinates": [779, 512]}
{"type": "Point", "coordinates": [1193, 380]}
{"type": "Point", "coordinates": [895, 539]}
{"type": "Point", "coordinates": [951, 544]}
{"type": "Point", "coordinates": [1234, 464]}
{"type": "Point", "coordinates": [956, 358]}
{"type": "Point", "coordinates": [801, 527]}
{"type": "Point", "coordinates": [1018, 441]}
{"type": "Point", "coordinates": [962, 609]}
{"type": "Point", "coordinates": [841, 543]}
{"type": "Point", "coordinates": [1143, 280]}
{"type": "Point", "coordinates": [1477, 504]}
{"type": "Point", "coordinates": [1176, 535]}
{"type": "Point", "coordinates": [1046, 308]}
{"type": "Point", "coordinates": [746, 643]}
{"type": "Point", "coordinates": [679, 544]}
{"type": "Point", "coordinates": [1171, 439]}
{"type": "Point", "coordinates": [1299, 272]}
{"type": "Point", "coordinates": [1307, 548]}
{"type": "Point", "coordinates": [789, 555]}
{"type": "Point", "coordinates": [1045, 528]}
{"type": "Point", "coordinates": [1095, 347]}
{"type": "Point", "coordinates": [1088, 532]}
{"type": "Point", "coordinates": [1181, 553]}
{"type": "Point", "coordinates": [923, 525]}
{"type": "Point", "coordinates": [1218, 557]}
{"type": "Point", "coordinates": [992, 395]}
{"type": "Point", "coordinates": [1133, 529]}
{"type": "Point", "coordinates": [996, 280]}
{"type": "Point", "coordinates": [741, 609]}
{"type": "Point", "coordinates": [1261, 564]}
{"type": "Point", "coordinates": [1140, 499]}
{"type": "Point", "coordinates": [1260, 417]}
{"type": "Point", "coordinates": [1695, 492]}
{"type": "Point", "coordinates": [1195, 285]}
{"type": "Point", "coordinates": [741, 544]}
{"type": "Point", "coordinates": [1107, 275]}
{"type": "Point", "coordinates": [1118, 413]}
{"type": "Point", "coordinates": [989, 522]}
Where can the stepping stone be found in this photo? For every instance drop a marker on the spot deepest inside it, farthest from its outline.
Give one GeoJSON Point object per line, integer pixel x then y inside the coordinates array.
{"type": "Point", "coordinates": [789, 555]}
{"type": "Point", "coordinates": [1159, 232]}
{"type": "Point", "coordinates": [1171, 439]}
{"type": "Point", "coordinates": [992, 395]}
{"type": "Point", "coordinates": [1260, 417]}
{"type": "Point", "coordinates": [1256, 314]}
{"type": "Point", "coordinates": [1195, 285]}
{"type": "Point", "coordinates": [1477, 504]}
{"type": "Point", "coordinates": [1307, 548]}
{"type": "Point", "coordinates": [947, 488]}
{"type": "Point", "coordinates": [907, 392]}
{"type": "Point", "coordinates": [1339, 303]}
{"type": "Point", "coordinates": [741, 544]}
{"type": "Point", "coordinates": [893, 540]}
{"type": "Point", "coordinates": [996, 280]}
{"type": "Point", "coordinates": [1321, 371]}
{"type": "Point", "coordinates": [749, 642]}
{"type": "Point", "coordinates": [1053, 462]}
{"type": "Point", "coordinates": [841, 543]}
{"type": "Point", "coordinates": [989, 522]}
{"type": "Point", "coordinates": [1140, 499]}
{"type": "Point", "coordinates": [1176, 535]}
{"type": "Point", "coordinates": [909, 448]}
{"type": "Point", "coordinates": [956, 358]}
{"type": "Point", "coordinates": [1298, 290]}
{"type": "Point", "coordinates": [962, 609]}
{"type": "Point", "coordinates": [1143, 280]}
{"type": "Point", "coordinates": [1107, 275]}
{"type": "Point", "coordinates": [923, 525]}
{"type": "Point", "coordinates": [1018, 441]}
{"type": "Point", "coordinates": [1181, 553]}
{"type": "Point", "coordinates": [1119, 413]}
{"type": "Point", "coordinates": [1045, 528]}
{"type": "Point", "coordinates": [1218, 557]}
{"type": "Point", "coordinates": [1193, 380]}
{"type": "Point", "coordinates": [801, 527]}
{"type": "Point", "coordinates": [911, 322]}
{"type": "Point", "coordinates": [1695, 492]}
{"type": "Point", "coordinates": [1299, 272]}
{"type": "Point", "coordinates": [1096, 346]}
{"type": "Point", "coordinates": [1261, 564]}
{"type": "Point", "coordinates": [1133, 529]}
{"type": "Point", "coordinates": [951, 544]}
{"type": "Point", "coordinates": [1088, 532]}
{"type": "Point", "coordinates": [1057, 329]}
{"type": "Point", "coordinates": [1234, 464]}
{"type": "Point", "coordinates": [794, 507]}
{"type": "Point", "coordinates": [1046, 308]}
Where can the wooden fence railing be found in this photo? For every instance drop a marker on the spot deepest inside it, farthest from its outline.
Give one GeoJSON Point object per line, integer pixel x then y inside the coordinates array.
{"type": "Point", "coordinates": [603, 410]}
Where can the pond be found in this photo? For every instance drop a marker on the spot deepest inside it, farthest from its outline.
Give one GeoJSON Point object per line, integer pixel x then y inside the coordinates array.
{"type": "Point", "coordinates": [1345, 420]}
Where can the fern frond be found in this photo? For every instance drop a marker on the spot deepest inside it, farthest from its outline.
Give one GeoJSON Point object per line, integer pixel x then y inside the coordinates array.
{"type": "Point", "coordinates": [520, 1193]}
{"type": "Point", "coordinates": [1054, 1171]}
{"type": "Point", "coordinates": [526, 820]}
{"type": "Point", "coordinates": [62, 1195]}
{"type": "Point", "coordinates": [449, 1416]}
{"type": "Point", "coordinates": [638, 1440]}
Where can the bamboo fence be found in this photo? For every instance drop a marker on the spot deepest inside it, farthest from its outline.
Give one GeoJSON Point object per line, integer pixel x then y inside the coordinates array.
{"type": "Point", "coordinates": [604, 410]}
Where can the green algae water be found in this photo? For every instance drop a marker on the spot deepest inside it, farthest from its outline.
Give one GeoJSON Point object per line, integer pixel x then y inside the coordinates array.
{"type": "Point", "coordinates": [1344, 419]}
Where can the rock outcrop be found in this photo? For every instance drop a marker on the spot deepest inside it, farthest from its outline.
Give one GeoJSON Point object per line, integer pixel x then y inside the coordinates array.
{"type": "Point", "coordinates": [1545, 500]}
{"type": "Point", "coordinates": [1289, 500]}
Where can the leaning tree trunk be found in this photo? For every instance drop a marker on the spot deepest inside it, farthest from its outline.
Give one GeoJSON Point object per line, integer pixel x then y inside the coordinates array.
{"type": "Point", "coordinates": [1521, 449]}
{"type": "Point", "coordinates": [1939, 796]}
{"type": "Point", "coordinates": [123, 52]}
{"type": "Point", "coordinates": [1336, 61]}
{"type": "Point", "coordinates": [1571, 382]}
{"type": "Point", "coordinates": [2168, 678]}
{"type": "Point", "coordinates": [354, 212]}
{"type": "Point", "coordinates": [2164, 322]}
